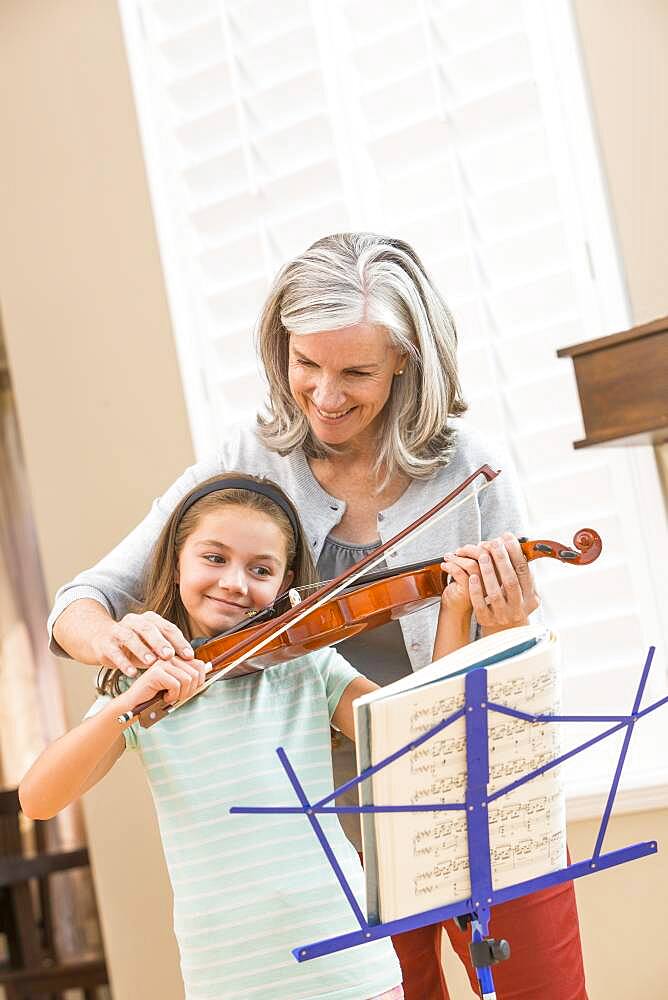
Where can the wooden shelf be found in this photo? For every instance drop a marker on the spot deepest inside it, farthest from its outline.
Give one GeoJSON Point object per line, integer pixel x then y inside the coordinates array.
{"type": "Point", "coordinates": [623, 385]}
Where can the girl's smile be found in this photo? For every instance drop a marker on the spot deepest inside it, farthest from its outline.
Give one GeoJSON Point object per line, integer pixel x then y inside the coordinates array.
{"type": "Point", "coordinates": [230, 604]}
{"type": "Point", "coordinates": [233, 563]}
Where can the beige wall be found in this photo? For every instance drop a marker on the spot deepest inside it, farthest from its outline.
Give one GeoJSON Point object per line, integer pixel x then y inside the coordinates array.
{"type": "Point", "coordinates": [96, 382]}
{"type": "Point", "coordinates": [102, 413]}
{"type": "Point", "coordinates": [625, 49]}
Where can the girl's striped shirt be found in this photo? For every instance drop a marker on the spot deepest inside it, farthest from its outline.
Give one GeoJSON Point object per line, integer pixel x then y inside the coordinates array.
{"type": "Point", "coordinates": [250, 888]}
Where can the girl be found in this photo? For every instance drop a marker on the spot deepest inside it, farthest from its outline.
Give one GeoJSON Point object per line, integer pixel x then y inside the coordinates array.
{"type": "Point", "coordinates": [246, 889]}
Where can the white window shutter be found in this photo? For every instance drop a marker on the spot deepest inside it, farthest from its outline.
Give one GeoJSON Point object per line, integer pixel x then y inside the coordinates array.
{"type": "Point", "coordinates": [461, 126]}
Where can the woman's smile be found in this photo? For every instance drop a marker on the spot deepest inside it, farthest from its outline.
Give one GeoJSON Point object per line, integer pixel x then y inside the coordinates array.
{"type": "Point", "coordinates": [332, 417]}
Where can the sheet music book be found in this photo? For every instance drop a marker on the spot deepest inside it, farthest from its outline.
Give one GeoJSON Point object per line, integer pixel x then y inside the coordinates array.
{"type": "Point", "coordinates": [417, 861]}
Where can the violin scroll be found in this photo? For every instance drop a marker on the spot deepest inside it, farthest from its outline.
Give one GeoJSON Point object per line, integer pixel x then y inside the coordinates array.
{"type": "Point", "coordinates": [587, 547]}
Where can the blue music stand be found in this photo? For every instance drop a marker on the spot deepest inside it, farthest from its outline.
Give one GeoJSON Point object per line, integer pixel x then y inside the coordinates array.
{"type": "Point", "coordinates": [485, 952]}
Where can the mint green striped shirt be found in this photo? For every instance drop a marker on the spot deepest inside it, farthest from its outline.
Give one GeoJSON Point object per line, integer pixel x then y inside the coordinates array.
{"type": "Point", "coordinates": [248, 889]}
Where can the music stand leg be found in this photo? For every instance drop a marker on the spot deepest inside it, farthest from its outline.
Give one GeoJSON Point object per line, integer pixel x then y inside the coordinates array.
{"type": "Point", "coordinates": [484, 951]}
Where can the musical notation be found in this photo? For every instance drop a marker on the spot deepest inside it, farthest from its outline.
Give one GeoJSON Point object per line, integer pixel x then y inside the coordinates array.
{"type": "Point", "coordinates": [424, 856]}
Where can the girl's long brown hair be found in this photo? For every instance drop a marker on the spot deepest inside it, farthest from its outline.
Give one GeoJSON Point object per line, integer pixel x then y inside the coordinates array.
{"type": "Point", "coordinates": [160, 590]}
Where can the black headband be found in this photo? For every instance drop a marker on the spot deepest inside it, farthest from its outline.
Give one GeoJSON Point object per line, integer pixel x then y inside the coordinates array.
{"type": "Point", "coordinates": [263, 488]}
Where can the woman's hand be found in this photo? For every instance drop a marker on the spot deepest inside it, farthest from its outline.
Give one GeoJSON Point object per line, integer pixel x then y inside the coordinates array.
{"type": "Point", "coordinates": [137, 641]}
{"type": "Point", "coordinates": [179, 679]}
{"type": "Point", "coordinates": [500, 585]}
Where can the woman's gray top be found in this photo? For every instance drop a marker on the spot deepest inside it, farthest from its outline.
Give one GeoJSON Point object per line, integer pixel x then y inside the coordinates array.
{"type": "Point", "coordinates": [379, 654]}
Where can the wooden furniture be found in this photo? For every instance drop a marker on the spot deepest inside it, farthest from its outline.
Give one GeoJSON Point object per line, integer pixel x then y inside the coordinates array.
{"type": "Point", "coordinates": [33, 984]}
{"type": "Point", "coordinates": [33, 969]}
{"type": "Point", "coordinates": [623, 385]}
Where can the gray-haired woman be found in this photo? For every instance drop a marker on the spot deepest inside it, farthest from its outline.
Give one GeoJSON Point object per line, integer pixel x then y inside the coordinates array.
{"type": "Point", "coordinates": [360, 355]}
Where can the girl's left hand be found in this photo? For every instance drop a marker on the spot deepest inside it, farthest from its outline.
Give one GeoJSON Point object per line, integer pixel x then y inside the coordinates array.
{"type": "Point", "coordinates": [500, 585]}
{"type": "Point", "coordinates": [456, 599]}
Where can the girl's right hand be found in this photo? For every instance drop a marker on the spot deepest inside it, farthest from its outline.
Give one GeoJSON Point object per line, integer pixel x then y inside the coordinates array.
{"type": "Point", "coordinates": [179, 679]}
{"type": "Point", "coordinates": [137, 641]}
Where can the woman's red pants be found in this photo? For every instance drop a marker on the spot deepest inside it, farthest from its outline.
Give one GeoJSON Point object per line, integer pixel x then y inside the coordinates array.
{"type": "Point", "coordinates": [545, 961]}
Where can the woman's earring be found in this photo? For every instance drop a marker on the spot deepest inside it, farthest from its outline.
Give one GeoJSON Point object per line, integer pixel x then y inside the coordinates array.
{"type": "Point", "coordinates": [400, 372]}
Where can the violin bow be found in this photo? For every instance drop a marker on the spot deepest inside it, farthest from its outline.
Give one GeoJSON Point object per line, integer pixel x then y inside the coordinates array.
{"type": "Point", "coordinates": [249, 647]}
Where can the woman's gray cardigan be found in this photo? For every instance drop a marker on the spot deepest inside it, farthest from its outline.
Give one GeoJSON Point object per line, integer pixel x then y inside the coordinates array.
{"type": "Point", "coordinates": [115, 580]}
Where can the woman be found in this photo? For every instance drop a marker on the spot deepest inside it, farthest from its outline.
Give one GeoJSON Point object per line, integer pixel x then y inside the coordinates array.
{"type": "Point", "coordinates": [359, 353]}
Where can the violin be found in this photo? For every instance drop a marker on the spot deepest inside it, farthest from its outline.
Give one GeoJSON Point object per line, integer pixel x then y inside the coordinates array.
{"type": "Point", "coordinates": [342, 607]}
{"type": "Point", "coordinates": [382, 597]}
